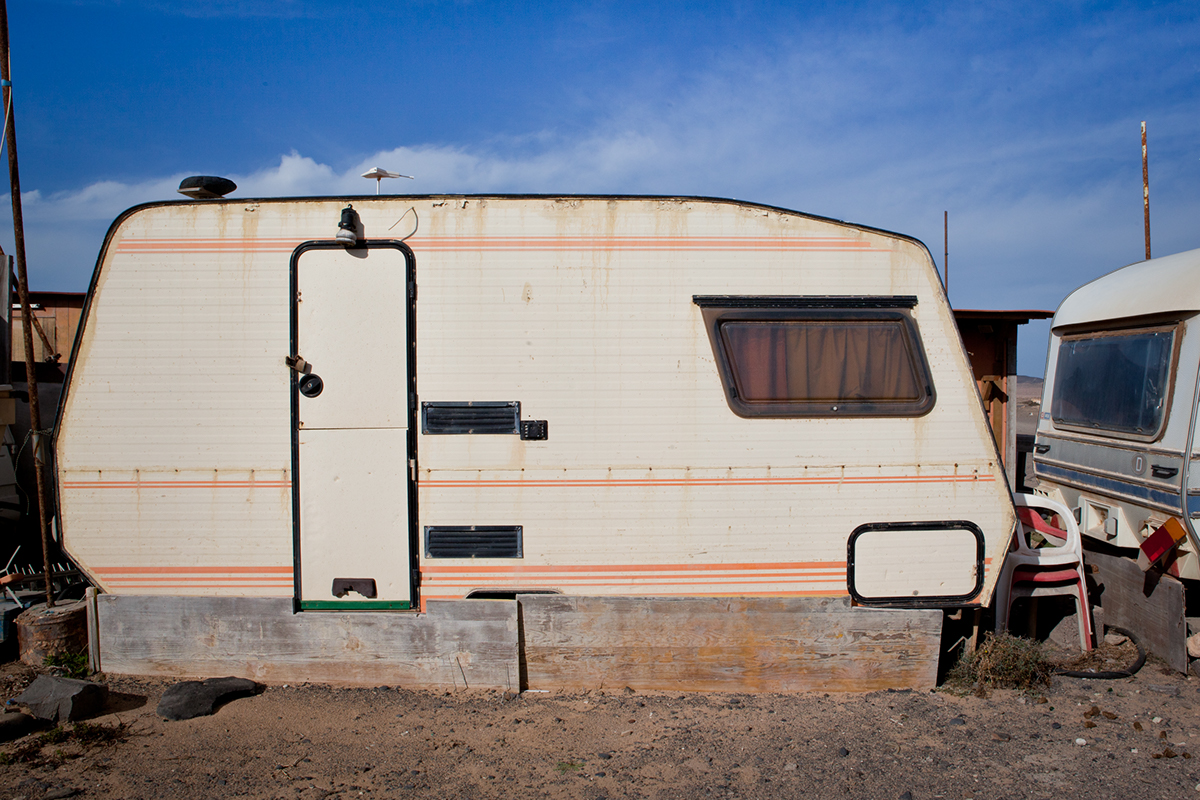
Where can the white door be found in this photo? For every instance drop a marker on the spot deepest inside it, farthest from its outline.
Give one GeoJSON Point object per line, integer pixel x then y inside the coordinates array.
{"type": "Point", "coordinates": [351, 327]}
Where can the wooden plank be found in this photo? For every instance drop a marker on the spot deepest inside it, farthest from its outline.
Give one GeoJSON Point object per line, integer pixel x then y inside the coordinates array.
{"type": "Point", "coordinates": [463, 643]}
{"type": "Point", "coordinates": [1150, 605]}
{"type": "Point", "coordinates": [725, 644]}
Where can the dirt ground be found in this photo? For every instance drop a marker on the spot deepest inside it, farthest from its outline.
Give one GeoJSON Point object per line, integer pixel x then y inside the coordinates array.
{"type": "Point", "coordinates": [1130, 738]}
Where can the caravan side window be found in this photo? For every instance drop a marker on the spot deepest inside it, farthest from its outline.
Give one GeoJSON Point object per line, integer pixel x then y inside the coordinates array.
{"type": "Point", "coordinates": [1117, 382]}
{"type": "Point", "coordinates": [819, 356]}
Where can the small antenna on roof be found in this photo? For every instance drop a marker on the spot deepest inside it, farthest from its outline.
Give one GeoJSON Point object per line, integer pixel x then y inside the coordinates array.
{"type": "Point", "coordinates": [379, 174]}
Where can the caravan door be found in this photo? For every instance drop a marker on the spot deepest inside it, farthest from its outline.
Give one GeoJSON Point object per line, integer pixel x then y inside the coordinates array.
{"type": "Point", "coordinates": [351, 412]}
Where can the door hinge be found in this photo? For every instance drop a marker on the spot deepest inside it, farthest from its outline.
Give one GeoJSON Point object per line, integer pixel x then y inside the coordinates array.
{"type": "Point", "coordinates": [412, 469]}
{"type": "Point", "coordinates": [416, 577]}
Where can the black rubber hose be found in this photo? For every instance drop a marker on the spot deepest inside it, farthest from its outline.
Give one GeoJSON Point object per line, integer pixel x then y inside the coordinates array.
{"type": "Point", "coordinates": [1125, 673]}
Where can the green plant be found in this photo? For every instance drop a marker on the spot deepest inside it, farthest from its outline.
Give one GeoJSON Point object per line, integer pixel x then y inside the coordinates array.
{"type": "Point", "coordinates": [1003, 661]}
{"type": "Point", "coordinates": [69, 665]}
{"type": "Point", "coordinates": [569, 766]}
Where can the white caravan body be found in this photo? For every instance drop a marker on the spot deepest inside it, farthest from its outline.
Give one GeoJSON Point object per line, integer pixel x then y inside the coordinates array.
{"type": "Point", "coordinates": [1117, 438]}
{"type": "Point", "coordinates": [490, 396]}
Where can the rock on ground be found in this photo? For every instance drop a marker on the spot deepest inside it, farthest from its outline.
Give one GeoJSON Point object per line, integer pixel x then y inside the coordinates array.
{"type": "Point", "coordinates": [63, 699]}
{"type": "Point", "coordinates": [200, 698]}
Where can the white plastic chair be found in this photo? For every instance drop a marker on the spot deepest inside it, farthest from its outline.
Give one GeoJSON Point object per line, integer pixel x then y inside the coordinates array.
{"type": "Point", "coordinates": [1044, 571]}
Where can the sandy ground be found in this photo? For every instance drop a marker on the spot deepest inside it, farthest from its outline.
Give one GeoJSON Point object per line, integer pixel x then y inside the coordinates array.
{"type": "Point", "coordinates": [326, 743]}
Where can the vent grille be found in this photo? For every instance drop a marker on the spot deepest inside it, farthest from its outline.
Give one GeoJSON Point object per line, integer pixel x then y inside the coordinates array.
{"type": "Point", "coordinates": [473, 541]}
{"type": "Point", "coordinates": [446, 418]}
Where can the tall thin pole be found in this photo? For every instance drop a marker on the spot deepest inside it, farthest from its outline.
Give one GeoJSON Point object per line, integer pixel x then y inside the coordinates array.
{"type": "Point", "coordinates": [1146, 189]}
{"type": "Point", "coordinates": [946, 251]}
{"type": "Point", "coordinates": [35, 416]}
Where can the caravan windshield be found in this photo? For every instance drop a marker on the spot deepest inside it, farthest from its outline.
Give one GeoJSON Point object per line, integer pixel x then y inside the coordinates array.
{"type": "Point", "coordinates": [1115, 382]}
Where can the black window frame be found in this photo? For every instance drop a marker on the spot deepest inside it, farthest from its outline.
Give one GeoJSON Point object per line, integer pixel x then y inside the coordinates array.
{"type": "Point", "coordinates": [718, 310]}
{"type": "Point", "coordinates": [1174, 328]}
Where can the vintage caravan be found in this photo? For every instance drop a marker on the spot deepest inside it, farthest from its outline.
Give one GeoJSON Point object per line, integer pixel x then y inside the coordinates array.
{"type": "Point", "coordinates": [1117, 433]}
{"type": "Point", "coordinates": [298, 430]}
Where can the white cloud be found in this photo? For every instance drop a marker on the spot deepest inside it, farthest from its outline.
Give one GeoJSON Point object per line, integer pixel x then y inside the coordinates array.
{"type": "Point", "coordinates": [872, 125]}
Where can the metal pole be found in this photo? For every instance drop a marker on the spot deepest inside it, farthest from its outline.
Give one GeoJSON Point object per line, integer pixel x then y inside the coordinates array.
{"type": "Point", "coordinates": [1146, 189]}
{"type": "Point", "coordinates": [35, 417]}
{"type": "Point", "coordinates": [946, 252]}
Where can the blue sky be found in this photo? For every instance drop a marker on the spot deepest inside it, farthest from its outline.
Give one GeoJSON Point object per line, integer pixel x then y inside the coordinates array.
{"type": "Point", "coordinates": [1019, 118]}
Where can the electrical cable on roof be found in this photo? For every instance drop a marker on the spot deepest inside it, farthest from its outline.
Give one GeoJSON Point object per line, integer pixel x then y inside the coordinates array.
{"type": "Point", "coordinates": [416, 221]}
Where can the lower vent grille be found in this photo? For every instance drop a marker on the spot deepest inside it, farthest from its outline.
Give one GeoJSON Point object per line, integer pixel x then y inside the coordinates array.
{"type": "Point", "coordinates": [443, 418]}
{"type": "Point", "coordinates": [473, 541]}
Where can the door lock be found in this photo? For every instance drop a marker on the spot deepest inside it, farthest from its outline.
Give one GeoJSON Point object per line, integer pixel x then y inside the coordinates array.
{"type": "Point", "coordinates": [310, 385]}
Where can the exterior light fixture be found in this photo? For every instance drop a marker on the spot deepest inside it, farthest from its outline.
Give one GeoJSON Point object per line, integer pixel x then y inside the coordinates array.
{"type": "Point", "coordinates": [379, 174]}
{"type": "Point", "coordinates": [347, 233]}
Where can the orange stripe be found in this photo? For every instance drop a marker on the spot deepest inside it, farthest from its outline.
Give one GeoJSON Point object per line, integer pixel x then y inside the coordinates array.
{"type": "Point", "coordinates": [184, 570]}
{"type": "Point", "coordinates": [771, 243]}
{"type": "Point", "coordinates": [639, 584]}
{"type": "Point", "coordinates": [816, 593]}
{"type": "Point", "coordinates": [507, 484]}
{"type": "Point", "coordinates": [282, 581]}
{"type": "Point", "coordinates": [221, 586]}
{"type": "Point", "coordinates": [550, 568]}
{"type": "Point", "coordinates": [177, 484]}
{"type": "Point", "coordinates": [501, 575]}
{"type": "Point", "coordinates": [521, 243]}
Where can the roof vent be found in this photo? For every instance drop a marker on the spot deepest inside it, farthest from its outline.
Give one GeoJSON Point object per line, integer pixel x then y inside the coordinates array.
{"type": "Point", "coordinates": [206, 187]}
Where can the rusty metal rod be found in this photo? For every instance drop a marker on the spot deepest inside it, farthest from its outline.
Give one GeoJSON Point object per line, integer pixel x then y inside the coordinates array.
{"type": "Point", "coordinates": [52, 353]}
{"type": "Point", "coordinates": [946, 251]}
{"type": "Point", "coordinates": [35, 417]}
{"type": "Point", "coordinates": [1146, 189]}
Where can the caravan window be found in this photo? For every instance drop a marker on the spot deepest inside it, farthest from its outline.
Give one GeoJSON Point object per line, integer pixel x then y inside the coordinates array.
{"type": "Point", "coordinates": [1114, 382]}
{"type": "Point", "coordinates": [807, 357]}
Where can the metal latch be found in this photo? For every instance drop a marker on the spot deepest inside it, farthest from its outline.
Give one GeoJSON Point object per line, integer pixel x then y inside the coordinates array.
{"type": "Point", "coordinates": [298, 364]}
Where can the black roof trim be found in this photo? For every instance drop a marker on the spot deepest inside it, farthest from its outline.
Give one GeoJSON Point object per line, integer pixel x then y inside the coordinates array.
{"type": "Point", "coordinates": [804, 301]}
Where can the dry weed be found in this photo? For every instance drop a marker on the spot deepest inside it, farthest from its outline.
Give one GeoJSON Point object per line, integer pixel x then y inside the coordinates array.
{"type": "Point", "coordinates": [1003, 661]}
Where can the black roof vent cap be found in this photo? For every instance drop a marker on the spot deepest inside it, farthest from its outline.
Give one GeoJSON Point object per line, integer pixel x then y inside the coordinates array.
{"type": "Point", "coordinates": [206, 187]}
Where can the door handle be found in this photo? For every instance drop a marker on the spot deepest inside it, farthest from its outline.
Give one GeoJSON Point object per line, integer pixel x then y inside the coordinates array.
{"type": "Point", "coordinates": [1041, 448]}
{"type": "Point", "coordinates": [1163, 472]}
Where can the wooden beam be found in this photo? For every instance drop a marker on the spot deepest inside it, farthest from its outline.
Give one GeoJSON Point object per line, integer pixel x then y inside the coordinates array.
{"type": "Point", "coordinates": [726, 644]}
{"type": "Point", "coordinates": [462, 644]}
{"type": "Point", "coordinates": [1149, 604]}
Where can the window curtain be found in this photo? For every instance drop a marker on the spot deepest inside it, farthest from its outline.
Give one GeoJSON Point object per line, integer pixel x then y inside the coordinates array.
{"type": "Point", "coordinates": [817, 361]}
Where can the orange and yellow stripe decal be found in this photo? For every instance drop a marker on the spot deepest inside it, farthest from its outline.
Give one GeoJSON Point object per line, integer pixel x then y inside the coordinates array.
{"type": "Point", "coordinates": [556, 483]}
{"type": "Point", "coordinates": [645, 243]}
{"type": "Point", "coordinates": [774, 244]}
{"type": "Point", "coordinates": [158, 484]}
{"type": "Point", "coordinates": [817, 578]}
{"type": "Point", "coordinates": [222, 577]}
{"type": "Point", "coordinates": [503, 483]}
